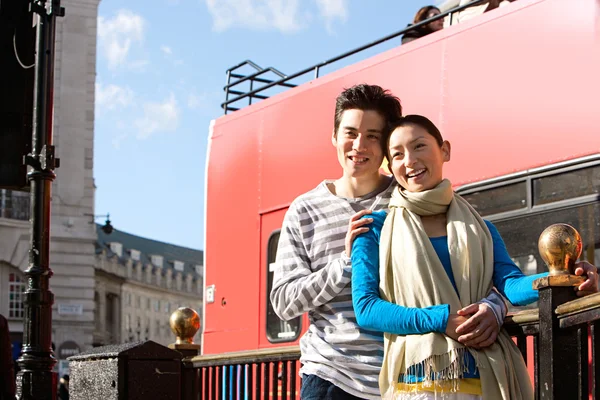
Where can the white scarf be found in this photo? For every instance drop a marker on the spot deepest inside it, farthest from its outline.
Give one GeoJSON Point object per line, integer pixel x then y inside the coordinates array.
{"type": "Point", "coordinates": [412, 275]}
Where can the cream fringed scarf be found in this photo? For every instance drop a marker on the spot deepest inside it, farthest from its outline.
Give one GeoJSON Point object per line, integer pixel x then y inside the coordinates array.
{"type": "Point", "coordinates": [412, 275]}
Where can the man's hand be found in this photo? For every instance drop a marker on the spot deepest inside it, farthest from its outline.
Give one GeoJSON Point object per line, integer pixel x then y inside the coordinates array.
{"type": "Point", "coordinates": [480, 329]}
{"type": "Point", "coordinates": [356, 226]}
{"type": "Point", "coordinates": [591, 283]}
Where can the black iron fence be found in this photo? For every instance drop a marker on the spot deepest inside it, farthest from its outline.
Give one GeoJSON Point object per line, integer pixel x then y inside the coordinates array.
{"type": "Point", "coordinates": [254, 375]}
{"type": "Point", "coordinates": [559, 342]}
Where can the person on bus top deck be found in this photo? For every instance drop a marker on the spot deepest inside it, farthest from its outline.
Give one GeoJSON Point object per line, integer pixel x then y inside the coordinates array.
{"type": "Point", "coordinates": [474, 11]}
{"type": "Point", "coordinates": [423, 14]}
{"type": "Point", "coordinates": [438, 256]}
{"type": "Point", "coordinates": [339, 359]}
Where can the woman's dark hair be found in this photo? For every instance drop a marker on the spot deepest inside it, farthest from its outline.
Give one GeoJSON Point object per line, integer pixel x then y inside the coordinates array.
{"type": "Point", "coordinates": [412, 119]}
{"type": "Point", "coordinates": [421, 15]}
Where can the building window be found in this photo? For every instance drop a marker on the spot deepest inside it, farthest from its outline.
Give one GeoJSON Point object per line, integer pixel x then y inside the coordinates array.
{"type": "Point", "coordinates": [128, 298]}
{"type": "Point", "coordinates": [14, 205]}
{"type": "Point", "coordinates": [156, 305]}
{"type": "Point", "coordinates": [135, 255]}
{"type": "Point", "coordinates": [278, 330]}
{"type": "Point", "coordinates": [116, 248]}
{"type": "Point", "coordinates": [127, 322]}
{"type": "Point", "coordinates": [16, 287]}
{"type": "Point", "coordinates": [178, 265]}
{"type": "Point", "coordinates": [167, 307]}
{"type": "Point", "coordinates": [199, 269]}
{"type": "Point", "coordinates": [157, 261]}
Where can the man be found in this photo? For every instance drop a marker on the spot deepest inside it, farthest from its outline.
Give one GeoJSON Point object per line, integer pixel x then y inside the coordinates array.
{"type": "Point", "coordinates": [313, 271]}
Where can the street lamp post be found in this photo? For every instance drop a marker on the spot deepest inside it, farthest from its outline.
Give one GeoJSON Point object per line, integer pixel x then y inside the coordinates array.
{"type": "Point", "coordinates": [36, 380]}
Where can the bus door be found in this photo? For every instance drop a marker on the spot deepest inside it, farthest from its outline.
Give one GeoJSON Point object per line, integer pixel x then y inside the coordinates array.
{"type": "Point", "coordinates": [274, 331]}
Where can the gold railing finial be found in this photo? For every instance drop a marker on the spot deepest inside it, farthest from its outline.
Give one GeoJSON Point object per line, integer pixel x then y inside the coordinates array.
{"type": "Point", "coordinates": [184, 323]}
{"type": "Point", "coordinates": [560, 247]}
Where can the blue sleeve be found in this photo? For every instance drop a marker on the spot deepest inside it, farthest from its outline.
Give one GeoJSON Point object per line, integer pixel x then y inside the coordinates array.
{"type": "Point", "coordinates": [379, 315]}
{"type": "Point", "coordinates": [508, 278]}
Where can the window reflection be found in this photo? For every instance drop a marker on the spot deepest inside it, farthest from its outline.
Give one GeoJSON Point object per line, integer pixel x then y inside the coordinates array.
{"type": "Point", "coordinates": [566, 185]}
{"type": "Point", "coordinates": [278, 330]}
{"type": "Point", "coordinates": [497, 200]}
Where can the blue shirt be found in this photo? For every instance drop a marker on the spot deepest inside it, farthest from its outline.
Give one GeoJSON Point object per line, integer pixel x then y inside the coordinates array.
{"type": "Point", "coordinates": [376, 314]}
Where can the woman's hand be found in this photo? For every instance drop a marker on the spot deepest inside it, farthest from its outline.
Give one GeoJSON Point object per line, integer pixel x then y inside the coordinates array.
{"type": "Point", "coordinates": [480, 329]}
{"type": "Point", "coordinates": [454, 321]}
{"type": "Point", "coordinates": [356, 226]}
{"type": "Point", "coordinates": [591, 283]}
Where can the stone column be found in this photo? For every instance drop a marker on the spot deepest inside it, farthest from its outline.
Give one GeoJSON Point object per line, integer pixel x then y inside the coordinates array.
{"type": "Point", "coordinates": [116, 319]}
{"type": "Point", "coordinates": [102, 312]}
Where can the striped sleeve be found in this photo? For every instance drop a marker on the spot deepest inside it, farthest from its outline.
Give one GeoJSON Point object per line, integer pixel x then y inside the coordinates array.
{"type": "Point", "coordinates": [297, 287]}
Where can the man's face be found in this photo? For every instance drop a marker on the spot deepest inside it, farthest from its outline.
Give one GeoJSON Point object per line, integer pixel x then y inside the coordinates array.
{"type": "Point", "coordinates": [358, 142]}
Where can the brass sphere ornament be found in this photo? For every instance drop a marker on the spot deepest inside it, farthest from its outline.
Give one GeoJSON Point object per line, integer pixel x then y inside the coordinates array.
{"type": "Point", "coordinates": [560, 247]}
{"type": "Point", "coordinates": [184, 323]}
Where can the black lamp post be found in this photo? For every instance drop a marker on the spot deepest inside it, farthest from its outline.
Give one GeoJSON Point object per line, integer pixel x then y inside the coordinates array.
{"type": "Point", "coordinates": [36, 380]}
{"type": "Point", "coordinates": [107, 227]}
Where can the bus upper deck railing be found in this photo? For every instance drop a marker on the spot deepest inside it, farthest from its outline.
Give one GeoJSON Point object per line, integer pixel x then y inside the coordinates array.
{"type": "Point", "coordinates": [284, 80]}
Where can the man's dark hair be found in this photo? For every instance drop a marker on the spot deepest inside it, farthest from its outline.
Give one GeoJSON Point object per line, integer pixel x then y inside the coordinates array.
{"type": "Point", "coordinates": [412, 119]}
{"type": "Point", "coordinates": [367, 98]}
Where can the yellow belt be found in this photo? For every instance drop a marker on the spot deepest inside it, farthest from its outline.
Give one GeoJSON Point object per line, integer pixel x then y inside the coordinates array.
{"type": "Point", "coordinates": [466, 385]}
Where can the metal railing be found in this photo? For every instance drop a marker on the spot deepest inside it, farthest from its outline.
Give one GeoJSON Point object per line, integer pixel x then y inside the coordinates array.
{"type": "Point", "coordinates": [253, 93]}
{"type": "Point", "coordinates": [559, 343]}
{"type": "Point", "coordinates": [262, 374]}
{"type": "Point", "coordinates": [251, 79]}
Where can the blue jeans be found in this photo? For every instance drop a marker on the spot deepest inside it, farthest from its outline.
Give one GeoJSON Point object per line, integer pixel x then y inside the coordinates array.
{"type": "Point", "coordinates": [315, 388]}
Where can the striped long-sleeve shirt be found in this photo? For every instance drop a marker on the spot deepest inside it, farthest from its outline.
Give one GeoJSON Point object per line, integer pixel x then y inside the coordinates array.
{"type": "Point", "coordinates": [312, 275]}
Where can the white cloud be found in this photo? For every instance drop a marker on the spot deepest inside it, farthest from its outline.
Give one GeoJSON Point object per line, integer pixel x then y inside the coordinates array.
{"type": "Point", "coordinates": [109, 97]}
{"type": "Point", "coordinates": [282, 15]}
{"type": "Point", "coordinates": [118, 139]}
{"type": "Point", "coordinates": [331, 10]}
{"type": "Point", "coordinates": [158, 117]}
{"type": "Point", "coordinates": [195, 101]}
{"type": "Point", "coordinates": [166, 49]}
{"type": "Point", "coordinates": [116, 36]}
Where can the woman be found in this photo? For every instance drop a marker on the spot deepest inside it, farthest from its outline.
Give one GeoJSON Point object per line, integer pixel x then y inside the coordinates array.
{"type": "Point", "coordinates": [423, 14]}
{"type": "Point", "coordinates": [437, 257]}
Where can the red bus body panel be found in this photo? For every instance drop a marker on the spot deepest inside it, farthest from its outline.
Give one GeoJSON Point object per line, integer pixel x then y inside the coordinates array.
{"type": "Point", "coordinates": [511, 90]}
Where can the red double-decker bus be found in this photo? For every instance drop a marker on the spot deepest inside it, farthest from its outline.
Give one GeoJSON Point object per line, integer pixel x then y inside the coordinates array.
{"type": "Point", "coordinates": [514, 90]}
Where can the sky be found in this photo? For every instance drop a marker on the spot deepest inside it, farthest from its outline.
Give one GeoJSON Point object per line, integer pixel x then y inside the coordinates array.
{"type": "Point", "coordinates": [161, 68]}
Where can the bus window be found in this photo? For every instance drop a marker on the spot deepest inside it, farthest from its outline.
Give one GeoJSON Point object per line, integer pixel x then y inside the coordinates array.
{"type": "Point", "coordinates": [568, 195]}
{"type": "Point", "coordinates": [521, 234]}
{"type": "Point", "coordinates": [499, 199]}
{"type": "Point", "coordinates": [566, 185]}
{"type": "Point", "coordinates": [278, 330]}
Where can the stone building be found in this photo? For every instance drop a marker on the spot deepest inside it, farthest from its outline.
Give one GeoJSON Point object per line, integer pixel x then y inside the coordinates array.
{"type": "Point", "coordinates": [106, 289]}
{"type": "Point", "coordinates": [73, 234]}
{"type": "Point", "coordinates": [139, 283]}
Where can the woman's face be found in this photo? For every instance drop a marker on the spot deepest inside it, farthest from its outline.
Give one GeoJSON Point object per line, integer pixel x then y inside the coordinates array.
{"type": "Point", "coordinates": [416, 158]}
{"type": "Point", "coordinates": [435, 25]}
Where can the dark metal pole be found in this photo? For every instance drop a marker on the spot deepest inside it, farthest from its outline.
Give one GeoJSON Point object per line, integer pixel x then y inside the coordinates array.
{"type": "Point", "coordinates": [35, 379]}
